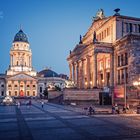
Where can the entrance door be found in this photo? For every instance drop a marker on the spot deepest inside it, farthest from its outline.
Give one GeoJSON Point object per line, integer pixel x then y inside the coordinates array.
{"type": "Point", "coordinates": [21, 93]}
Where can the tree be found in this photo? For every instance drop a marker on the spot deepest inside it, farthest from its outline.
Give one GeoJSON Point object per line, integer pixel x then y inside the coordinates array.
{"type": "Point", "coordinates": [57, 88]}
{"type": "Point", "coordinates": [46, 92]}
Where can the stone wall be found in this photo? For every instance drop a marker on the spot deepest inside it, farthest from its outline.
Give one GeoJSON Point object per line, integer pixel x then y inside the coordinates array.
{"type": "Point", "coordinates": [74, 95]}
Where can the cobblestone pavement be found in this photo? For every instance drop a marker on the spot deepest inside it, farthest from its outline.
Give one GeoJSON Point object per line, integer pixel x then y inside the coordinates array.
{"type": "Point", "coordinates": [56, 122]}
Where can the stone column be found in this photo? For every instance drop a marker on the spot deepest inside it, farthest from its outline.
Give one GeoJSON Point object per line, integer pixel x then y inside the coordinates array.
{"type": "Point", "coordinates": [112, 69]}
{"type": "Point", "coordinates": [83, 74]}
{"type": "Point", "coordinates": [112, 75]}
{"type": "Point", "coordinates": [24, 88]}
{"type": "Point", "coordinates": [70, 68]}
{"type": "Point", "coordinates": [77, 70]}
{"type": "Point", "coordinates": [73, 74]}
{"type": "Point", "coordinates": [88, 71]}
{"type": "Point", "coordinates": [19, 88]}
{"type": "Point", "coordinates": [95, 70]}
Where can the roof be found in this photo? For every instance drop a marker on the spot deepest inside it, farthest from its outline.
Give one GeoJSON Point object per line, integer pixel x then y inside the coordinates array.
{"type": "Point", "coordinates": [48, 73]}
{"type": "Point", "coordinates": [20, 37]}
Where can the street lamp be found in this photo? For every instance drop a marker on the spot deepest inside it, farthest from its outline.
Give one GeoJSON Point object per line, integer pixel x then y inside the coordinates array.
{"type": "Point", "coordinates": [137, 85]}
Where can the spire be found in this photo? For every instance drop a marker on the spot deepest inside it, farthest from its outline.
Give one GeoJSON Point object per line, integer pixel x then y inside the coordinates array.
{"type": "Point", "coordinates": [20, 27]}
{"type": "Point", "coordinates": [80, 42]}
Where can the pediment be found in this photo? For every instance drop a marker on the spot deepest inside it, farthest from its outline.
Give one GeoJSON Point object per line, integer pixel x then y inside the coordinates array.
{"type": "Point", "coordinates": [21, 76]}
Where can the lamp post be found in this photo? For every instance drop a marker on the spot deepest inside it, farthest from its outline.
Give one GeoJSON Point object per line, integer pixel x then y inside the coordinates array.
{"type": "Point", "coordinates": [125, 89]}
{"type": "Point", "coordinates": [137, 85]}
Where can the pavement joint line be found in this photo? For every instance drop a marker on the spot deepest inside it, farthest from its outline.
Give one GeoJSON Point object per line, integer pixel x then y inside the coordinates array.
{"type": "Point", "coordinates": [132, 130]}
{"type": "Point", "coordinates": [22, 126]}
{"type": "Point", "coordinates": [81, 131]}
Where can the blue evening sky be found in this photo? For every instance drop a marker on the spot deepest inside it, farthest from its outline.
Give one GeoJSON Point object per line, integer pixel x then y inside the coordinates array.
{"type": "Point", "coordinates": [52, 26]}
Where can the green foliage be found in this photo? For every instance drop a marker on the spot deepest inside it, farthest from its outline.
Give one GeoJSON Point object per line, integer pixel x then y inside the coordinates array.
{"type": "Point", "coordinates": [57, 88]}
{"type": "Point", "coordinates": [46, 92]}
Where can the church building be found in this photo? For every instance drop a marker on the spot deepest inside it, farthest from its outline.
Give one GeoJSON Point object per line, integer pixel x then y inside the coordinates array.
{"type": "Point", "coordinates": [20, 79]}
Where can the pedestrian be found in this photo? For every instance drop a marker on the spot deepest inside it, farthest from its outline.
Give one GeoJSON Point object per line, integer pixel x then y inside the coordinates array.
{"type": "Point", "coordinates": [42, 104]}
{"type": "Point", "coordinates": [91, 110]}
{"type": "Point", "coordinates": [124, 109]}
{"type": "Point", "coordinates": [113, 109]}
{"type": "Point", "coordinates": [30, 103]}
{"type": "Point", "coordinates": [117, 109]}
{"type": "Point", "coordinates": [18, 104]}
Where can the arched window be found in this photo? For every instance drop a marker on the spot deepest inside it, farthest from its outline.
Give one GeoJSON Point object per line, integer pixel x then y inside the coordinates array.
{"type": "Point", "coordinates": [40, 89]}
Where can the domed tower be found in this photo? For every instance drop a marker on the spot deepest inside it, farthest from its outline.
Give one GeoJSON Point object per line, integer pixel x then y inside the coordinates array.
{"type": "Point", "coordinates": [20, 56]}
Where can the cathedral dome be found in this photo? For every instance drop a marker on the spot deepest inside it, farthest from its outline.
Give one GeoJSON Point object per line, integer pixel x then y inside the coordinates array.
{"type": "Point", "coordinates": [21, 37]}
{"type": "Point", "coordinates": [48, 73]}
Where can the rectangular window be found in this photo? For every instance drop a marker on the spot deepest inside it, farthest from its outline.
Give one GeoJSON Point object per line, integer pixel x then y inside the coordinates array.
{"type": "Point", "coordinates": [118, 76]}
{"type": "Point", "coordinates": [122, 60]}
{"type": "Point", "coordinates": [139, 28]}
{"type": "Point", "coordinates": [119, 61]}
{"type": "Point", "coordinates": [2, 93]}
{"type": "Point", "coordinates": [33, 93]}
{"type": "Point", "coordinates": [15, 93]}
{"type": "Point", "coordinates": [126, 58]}
{"type": "Point", "coordinates": [130, 27]}
{"type": "Point", "coordinates": [28, 93]}
{"type": "Point", "coordinates": [127, 27]}
{"type": "Point", "coordinates": [40, 89]}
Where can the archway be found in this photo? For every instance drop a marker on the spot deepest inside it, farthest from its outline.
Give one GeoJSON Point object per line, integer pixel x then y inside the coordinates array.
{"type": "Point", "coordinates": [21, 93]}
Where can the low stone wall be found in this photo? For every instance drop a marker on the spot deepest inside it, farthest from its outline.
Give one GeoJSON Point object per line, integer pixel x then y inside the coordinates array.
{"type": "Point", "coordinates": [75, 95]}
{"type": "Point", "coordinates": [54, 94]}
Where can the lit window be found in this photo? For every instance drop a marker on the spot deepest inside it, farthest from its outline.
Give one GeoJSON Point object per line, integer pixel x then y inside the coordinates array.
{"type": "Point", "coordinates": [33, 93]}
{"type": "Point", "coordinates": [15, 93]}
{"type": "Point", "coordinates": [28, 93]}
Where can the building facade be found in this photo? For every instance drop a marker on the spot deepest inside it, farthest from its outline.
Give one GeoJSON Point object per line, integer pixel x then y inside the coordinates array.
{"type": "Point", "coordinates": [21, 80]}
{"type": "Point", "coordinates": [108, 54]}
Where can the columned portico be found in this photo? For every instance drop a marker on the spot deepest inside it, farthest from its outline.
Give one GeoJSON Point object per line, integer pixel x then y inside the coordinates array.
{"type": "Point", "coordinates": [87, 83]}
{"type": "Point", "coordinates": [95, 70]}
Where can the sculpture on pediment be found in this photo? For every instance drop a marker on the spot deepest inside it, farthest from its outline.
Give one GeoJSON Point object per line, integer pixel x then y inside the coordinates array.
{"type": "Point", "coordinates": [99, 15]}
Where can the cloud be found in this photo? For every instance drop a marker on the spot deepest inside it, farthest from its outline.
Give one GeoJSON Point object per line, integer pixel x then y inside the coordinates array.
{"type": "Point", "coordinates": [1, 14]}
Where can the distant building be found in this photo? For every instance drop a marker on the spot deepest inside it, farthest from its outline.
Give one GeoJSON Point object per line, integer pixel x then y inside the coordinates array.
{"type": "Point", "coordinates": [108, 54]}
{"type": "Point", "coordinates": [64, 76]}
{"type": "Point", "coordinates": [50, 79]}
{"type": "Point", "coordinates": [21, 80]}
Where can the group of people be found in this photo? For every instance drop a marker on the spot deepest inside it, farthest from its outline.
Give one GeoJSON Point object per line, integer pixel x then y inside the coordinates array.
{"type": "Point", "coordinates": [116, 109]}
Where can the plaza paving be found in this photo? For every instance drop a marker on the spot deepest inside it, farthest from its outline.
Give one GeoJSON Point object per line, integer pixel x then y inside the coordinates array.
{"type": "Point", "coordinates": [56, 122]}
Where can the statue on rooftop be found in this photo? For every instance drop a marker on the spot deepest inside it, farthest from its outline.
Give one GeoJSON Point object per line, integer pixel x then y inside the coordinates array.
{"type": "Point", "coordinates": [99, 15]}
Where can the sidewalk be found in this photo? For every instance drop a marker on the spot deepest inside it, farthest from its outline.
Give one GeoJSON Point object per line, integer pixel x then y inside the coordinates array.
{"type": "Point", "coordinates": [101, 110]}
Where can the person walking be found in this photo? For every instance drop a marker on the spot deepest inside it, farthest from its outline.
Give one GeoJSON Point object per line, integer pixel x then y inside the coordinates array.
{"type": "Point", "coordinates": [18, 105]}
{"type": "Point", "coordinates": [30, 103]}
{"type": "Point", "coordinates": [42, 104]}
